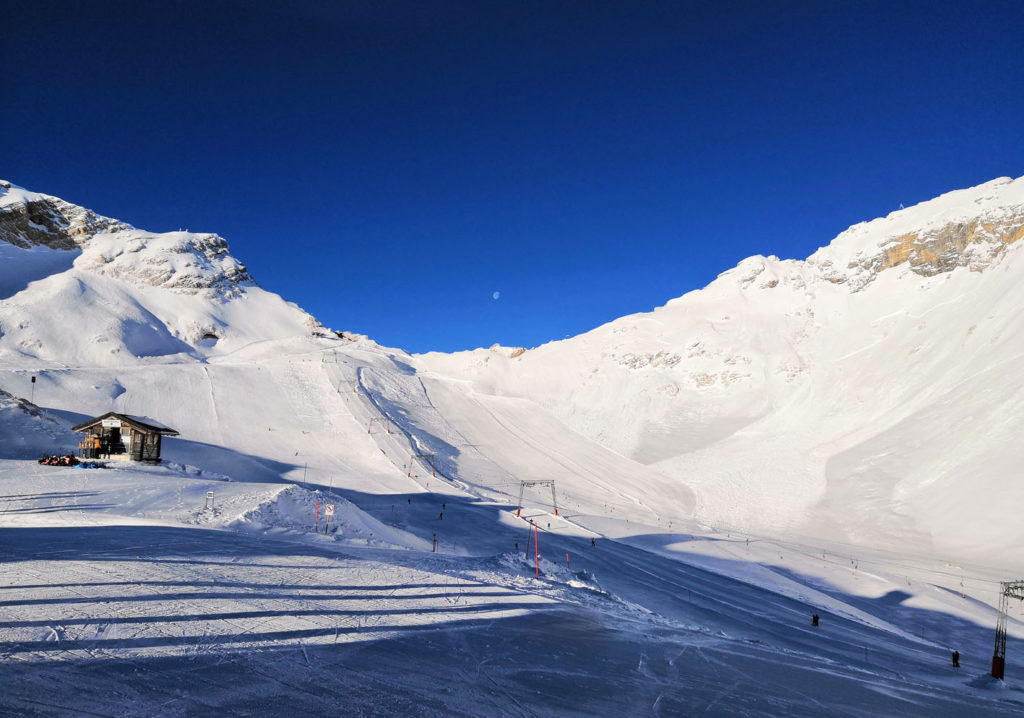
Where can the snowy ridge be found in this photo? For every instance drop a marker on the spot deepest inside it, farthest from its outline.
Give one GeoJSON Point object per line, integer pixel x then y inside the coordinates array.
{"type": "Point", "coordinates": [29, 219]}
{"type": "Point", "coordinates": [965, 228]}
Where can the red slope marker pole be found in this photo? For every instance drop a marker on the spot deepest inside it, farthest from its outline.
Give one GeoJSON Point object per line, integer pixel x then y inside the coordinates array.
{"type": "Point", "coordinates": [316, 519]}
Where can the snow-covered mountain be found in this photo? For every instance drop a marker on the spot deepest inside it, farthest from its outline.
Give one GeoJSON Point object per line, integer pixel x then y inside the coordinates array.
{"type": "Point", "coordinates": [835, 436]}
{"type": "Point", "coordinates": [868, 393]}
{"type": "Point", "coordinates": [871, 391]}
{"type": "Point", "coordinates": [175, 294]}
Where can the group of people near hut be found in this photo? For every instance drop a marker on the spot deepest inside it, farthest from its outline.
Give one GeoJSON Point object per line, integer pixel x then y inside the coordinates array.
{"type": "Point", "coordinates": [61, 460]}
{"type": "Point", "coordinates": [94, 446]}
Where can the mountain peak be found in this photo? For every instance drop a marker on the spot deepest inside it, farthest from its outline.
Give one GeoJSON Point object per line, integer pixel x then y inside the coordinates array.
{"type": "Point", "coordinates": [136, 295]}
{"type": "Point", "coordinates": [182, 261]}
{"type": "Point", "coordinates": [970, 228]}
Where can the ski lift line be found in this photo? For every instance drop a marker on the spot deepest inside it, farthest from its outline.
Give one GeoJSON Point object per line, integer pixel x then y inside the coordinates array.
{"type": "Point", "coordinates": [801, 549]}
{"type": "Point", "coordinates": [886, 565]}
{"type": "Point", "coordinates": [858, 567]}
{"type": "Point", "coordinates": [873, 559]}
{"type": "Point", "coordinates": [398, 430]}
{"type": "Point", "coordinates": [857, 548]}
{"type": "Point", "coordinates": [575, 470]}
{"type": "Point", "coordinates": [883, 565]}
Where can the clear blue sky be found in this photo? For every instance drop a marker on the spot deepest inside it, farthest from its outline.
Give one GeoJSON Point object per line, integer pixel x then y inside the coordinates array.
{"type": "Point", "coordinates": [390, 165]}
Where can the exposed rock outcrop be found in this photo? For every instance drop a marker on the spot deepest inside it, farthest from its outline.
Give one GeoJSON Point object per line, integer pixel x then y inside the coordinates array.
{"type": "Point", "coordinates": [34, 220]}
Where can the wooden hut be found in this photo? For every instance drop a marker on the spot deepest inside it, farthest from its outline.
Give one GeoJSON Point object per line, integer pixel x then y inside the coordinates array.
{"type": "Point", "coordinates": [122, 436]}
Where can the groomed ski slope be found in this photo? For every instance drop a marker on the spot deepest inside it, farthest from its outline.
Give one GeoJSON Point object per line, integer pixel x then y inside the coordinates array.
{"type": "Point", "coordinates": [113, 614]}
{"type": "Point", "coordinates": [125, 594]}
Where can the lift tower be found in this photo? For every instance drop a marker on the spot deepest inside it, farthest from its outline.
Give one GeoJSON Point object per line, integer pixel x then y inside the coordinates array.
{"type": "Point", "coordinates": [1007, 590]}
{"type": "Point", "coordinates": [541, 482]}
{"type": "Point", "coordinates": [424, 458]}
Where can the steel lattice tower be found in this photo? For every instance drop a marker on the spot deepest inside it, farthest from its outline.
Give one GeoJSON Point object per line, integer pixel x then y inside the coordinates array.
{"type": "Point", "coordinates": [1007, 590]}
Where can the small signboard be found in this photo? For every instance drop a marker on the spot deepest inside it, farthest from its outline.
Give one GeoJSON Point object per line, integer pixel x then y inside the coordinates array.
{"type": "Point", "coordinates": [111, 423]}
{"type": "Point", "coordinates": [329, 511]}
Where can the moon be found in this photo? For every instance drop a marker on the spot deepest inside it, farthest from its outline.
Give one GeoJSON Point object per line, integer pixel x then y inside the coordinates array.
{"type": "Point", "coordinates": [496, 295]}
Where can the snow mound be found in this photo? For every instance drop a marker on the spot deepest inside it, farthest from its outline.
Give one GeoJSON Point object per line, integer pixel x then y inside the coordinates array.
{"type": "Point", "coordinates": [27, 432]}
{"type": "Point", "coordinates": [292, 510]}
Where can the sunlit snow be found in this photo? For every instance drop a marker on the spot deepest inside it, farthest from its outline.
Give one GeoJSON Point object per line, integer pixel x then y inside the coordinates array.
{"type": "Point", "coordinates": [776, 445]}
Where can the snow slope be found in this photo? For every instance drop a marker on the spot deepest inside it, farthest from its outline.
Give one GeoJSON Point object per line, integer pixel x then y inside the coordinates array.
{"type": "Point", "coordinates": [869, 391]}
{"type": "Point", "coordinates": [828, 436]}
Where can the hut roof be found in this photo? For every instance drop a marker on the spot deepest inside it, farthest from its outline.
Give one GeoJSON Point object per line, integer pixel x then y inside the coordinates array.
{"type": "Point", "coordinates": [142, 423]}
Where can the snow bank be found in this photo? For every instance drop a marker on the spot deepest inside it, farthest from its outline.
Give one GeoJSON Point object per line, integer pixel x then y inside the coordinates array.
{"type": "Point", "coordinates": [28, 432]}
{"type": "Point", "coordinates": [291, 511]}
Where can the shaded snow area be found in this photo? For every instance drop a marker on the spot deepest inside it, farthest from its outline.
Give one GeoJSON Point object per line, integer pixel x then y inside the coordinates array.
{"type": "Point", "coordinates": [837, 436]}
{"type": "Point", "coordinates": [123, 595]}
{"type": "Point", "coordinates": [27, 432]}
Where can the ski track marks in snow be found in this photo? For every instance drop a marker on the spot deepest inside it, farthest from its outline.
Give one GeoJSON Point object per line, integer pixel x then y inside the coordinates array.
{"type": "Point", "coordinates": [193, 610]}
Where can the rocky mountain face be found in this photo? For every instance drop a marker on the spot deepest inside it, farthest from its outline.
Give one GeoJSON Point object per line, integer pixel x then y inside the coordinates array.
{"type": "Point", "coordinates": [127, 293]}
{"type": "Point", "coordinates": [182, 261]}
{"type": "Point", "coordinates": [179, 261]}
{"type": "Point", "coordinates": [970, 228]}
{"type": "Point", "coordinates": [28, 220]}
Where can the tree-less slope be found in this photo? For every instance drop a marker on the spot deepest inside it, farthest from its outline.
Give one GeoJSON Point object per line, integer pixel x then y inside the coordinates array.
{"type": "Point", "coordinates": [869, 393]}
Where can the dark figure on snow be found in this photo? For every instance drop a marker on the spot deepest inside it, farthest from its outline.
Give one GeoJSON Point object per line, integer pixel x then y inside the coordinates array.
{"type": "Point", "coordinates": [814, 619]}
{"type": "Point", "coordinates": [593, 542]}
{"type": "Point", "coordinates": [956, 659]}
{"type": "Point", "coordinates": [440, 516]}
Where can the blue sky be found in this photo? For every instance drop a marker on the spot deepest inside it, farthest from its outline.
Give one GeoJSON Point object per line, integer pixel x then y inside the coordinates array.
{"type": "Point", "coordinates": [390, 165]}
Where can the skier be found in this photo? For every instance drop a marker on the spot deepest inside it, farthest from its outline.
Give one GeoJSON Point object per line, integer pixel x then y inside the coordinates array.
{"type": "Point", "coordinates": [814, 619]}
{"type": "Point", "coordinates": [956, 659]}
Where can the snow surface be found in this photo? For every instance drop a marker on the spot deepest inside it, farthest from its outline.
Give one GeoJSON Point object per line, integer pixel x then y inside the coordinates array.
{"type": "Point", "coordinates": [725, 466]}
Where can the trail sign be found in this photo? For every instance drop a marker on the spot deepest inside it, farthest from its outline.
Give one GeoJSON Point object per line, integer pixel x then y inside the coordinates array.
{"type": "Point", "coordinates": [329, 510]}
